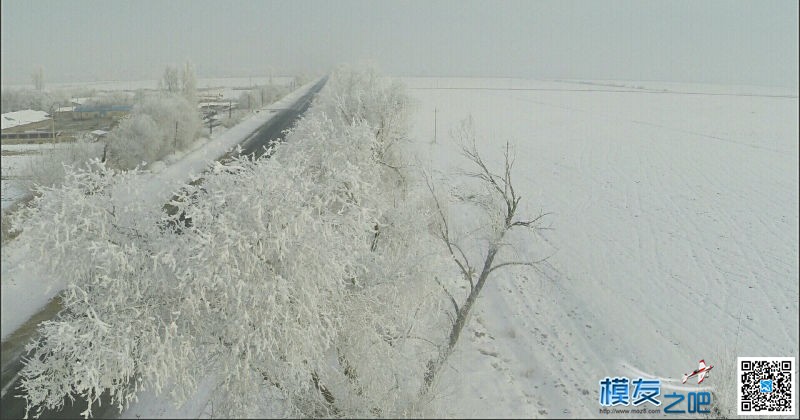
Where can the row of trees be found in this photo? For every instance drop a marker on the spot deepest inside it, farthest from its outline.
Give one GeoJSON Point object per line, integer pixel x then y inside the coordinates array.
{"type": "Point", "coordinates": [182, 82]}
{"type": "Point", "coordinates": [18, 99]}
{"type": "Point", "coordinates": [48, 101]}
{"type": "Point", "coordinates": [311, 277]}
{"type": "Point", "coordinates": [262, 95]}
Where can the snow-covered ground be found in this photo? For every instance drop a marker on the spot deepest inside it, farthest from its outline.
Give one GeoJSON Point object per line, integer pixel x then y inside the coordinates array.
{"type": "Point", "coordinates": [12, 192]}
{"type": "Point", "coordinates": [16, 161]}
{"type": "Point", "coordinates": [675, 235]}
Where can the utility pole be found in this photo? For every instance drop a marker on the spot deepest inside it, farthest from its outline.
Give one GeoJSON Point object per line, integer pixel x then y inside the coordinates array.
{"type": "Point", "coordinates": [53, 116]}
{"type": "Point", "coordinates": [435, 123]}
{"type": "Point", "coordinates": [176, 136]}
{"type": "Point", "coordinates": [230, 105]}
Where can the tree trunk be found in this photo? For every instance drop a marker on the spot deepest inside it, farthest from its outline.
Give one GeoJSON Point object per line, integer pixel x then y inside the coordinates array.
{"type": "Point", "coordinates": [461, 320]}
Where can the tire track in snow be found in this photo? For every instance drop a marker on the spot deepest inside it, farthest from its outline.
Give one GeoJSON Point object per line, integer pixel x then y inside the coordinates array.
{"type": "Point", "coordinates": [748, 250]}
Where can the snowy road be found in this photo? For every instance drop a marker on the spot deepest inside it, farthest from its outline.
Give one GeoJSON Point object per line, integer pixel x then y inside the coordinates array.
{"type": "Point", "coordinates": [675, 236]}
{"type": "Point", "coordinates": [282, 120]}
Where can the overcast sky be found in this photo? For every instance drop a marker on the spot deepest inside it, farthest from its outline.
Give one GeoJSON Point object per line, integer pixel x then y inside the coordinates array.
{"type": "Point", "coordinates": [693, 41]}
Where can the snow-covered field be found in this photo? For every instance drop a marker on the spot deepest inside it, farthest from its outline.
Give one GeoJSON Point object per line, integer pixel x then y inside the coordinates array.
{"type": "Point", "coordinates": [16, 161]}
{"type": "Point", "coordinates": [675, 235]}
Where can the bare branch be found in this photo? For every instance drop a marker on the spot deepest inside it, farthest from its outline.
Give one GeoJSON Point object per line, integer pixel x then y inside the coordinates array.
{"type": "Point", "coordinates": [525, 263]}
{"type": "Point", "coordinates": [531, 222]}
{"type": "Point", "coordinates": [444, 233]}
{"type": "Point", "coordinates": [415, 337]}
{"type": "Point", "coordinates": [485, 174]}
{"type": "Point", "coordinates": [452, 300]}
{"type": "Point", "coordinates": [469, 270]}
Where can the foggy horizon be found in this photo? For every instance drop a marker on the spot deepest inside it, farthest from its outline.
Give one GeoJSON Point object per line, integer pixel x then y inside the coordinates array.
{"type": "Point", "coordinates": [752, 43]}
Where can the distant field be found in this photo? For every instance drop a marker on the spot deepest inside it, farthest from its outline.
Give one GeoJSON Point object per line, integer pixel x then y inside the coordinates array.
{"type": "Point", "coordinates": [202, 83]}
{"type": "Point", "coordinates": [674, 235]}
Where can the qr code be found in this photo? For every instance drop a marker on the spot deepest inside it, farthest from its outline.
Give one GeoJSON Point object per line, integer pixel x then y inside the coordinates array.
{"type": "Point", "coordinates": [766, 385]}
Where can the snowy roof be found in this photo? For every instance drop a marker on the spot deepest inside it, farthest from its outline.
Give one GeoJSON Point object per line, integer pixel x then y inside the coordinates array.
{"type": "Point", "coordinates": [208, 104]}
{"type": "Point", "coordinates": [27, 116]}
{"type": "Point", "coordinates": [79, 101]}
{"type": "Point", "coordinates": [211, 93]}
{"type": "Point", "coordinates": [230, 94]}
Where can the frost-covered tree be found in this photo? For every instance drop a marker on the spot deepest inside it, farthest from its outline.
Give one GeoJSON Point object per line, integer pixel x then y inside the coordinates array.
{"type": "Point", "coordinates": [166, 111]}
{"type": "Point", "coordinates": [377, 102]}
{"type": "Point", "coordinates": [89, 225]}
{"type": "Point", "coordinates": [300, 79]}
{"type": "Point", "coordinates": [137, 139]}
{"type": "Point", "coordinates": [303, 279]}
{"type": "Point", "coordinates": [250, 99]}
{"type": "Point", "coordinates": [157, 126]}
{"type": "Point", "coordinates": [170, 81]}
{"type": "Point", "coordinates": [48, 168]}
{"type": "Point", "coordinates": [19, 99]}
{"type": "Point", "coordinates": [189, 83]}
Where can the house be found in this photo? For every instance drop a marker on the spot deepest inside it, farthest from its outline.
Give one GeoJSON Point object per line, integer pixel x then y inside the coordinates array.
{"type": "Point", "coordinates": [210, 95]}
{"type": "Point", "coordinates": [26, 124]}
{"type": "Point", "coordinates": [218, 106]}
{"type": "Point", "coordinates": [84, 112]}
{"type": "Point", "coordinates": [80, 101]}
{"type": "Point", "coordinates": [64, 112]}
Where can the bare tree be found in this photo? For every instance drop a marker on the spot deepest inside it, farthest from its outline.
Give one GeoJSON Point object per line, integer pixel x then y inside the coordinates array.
{"type": "Point", "coordinates": [170, 81]}
{"type": "Point", "coordinates": [502, 211]}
